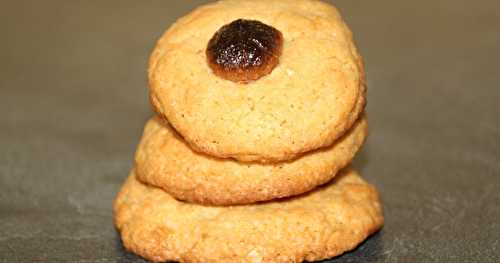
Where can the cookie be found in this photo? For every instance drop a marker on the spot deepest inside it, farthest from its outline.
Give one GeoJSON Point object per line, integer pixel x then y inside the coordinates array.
{"type": "Point", "coordinates": [321, 224]}
{"type": "Point", "coordinates": [303, 96]}
{"type": "Point", "coordinates": [163, 159]}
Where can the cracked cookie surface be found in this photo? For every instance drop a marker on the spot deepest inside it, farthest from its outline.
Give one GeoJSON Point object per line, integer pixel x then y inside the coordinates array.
{"type": "Point", "coordinates": [309, 100]}
{"type": "Point", "coordinates": [321, 224]}
{"type": "Point", "coordinates": [163, 159]}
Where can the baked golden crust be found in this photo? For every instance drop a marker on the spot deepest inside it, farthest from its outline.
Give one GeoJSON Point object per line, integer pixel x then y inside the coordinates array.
{"type": "Point", "coordinates": [321, 224]}
{"type": "Point", "coordinates": [163, 159]}
{"type": "Point", "coordinates": [308, 101]}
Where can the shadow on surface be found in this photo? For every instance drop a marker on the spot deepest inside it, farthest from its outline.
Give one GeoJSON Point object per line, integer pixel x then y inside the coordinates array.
{"type": "Point", "coordinates": [371, 250]}
{"type": "Point", "coordinates": [124, 255]}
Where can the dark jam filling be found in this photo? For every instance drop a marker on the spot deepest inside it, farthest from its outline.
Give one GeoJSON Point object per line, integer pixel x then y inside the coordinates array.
{"type": "Point", "coordinates": [244, 50]}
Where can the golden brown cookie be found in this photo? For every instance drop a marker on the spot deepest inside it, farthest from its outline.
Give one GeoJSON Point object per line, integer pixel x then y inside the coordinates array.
{"type": "Point", "coordinates": [307, 101]}
{"type": "Point", "coordinates": [321, 224]}
{"type": "Point", "coordinates": [163, 159]}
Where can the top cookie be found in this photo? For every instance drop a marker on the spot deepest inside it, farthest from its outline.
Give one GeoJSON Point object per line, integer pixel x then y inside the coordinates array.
{"type": "Point", "coordinates": [311, 96]}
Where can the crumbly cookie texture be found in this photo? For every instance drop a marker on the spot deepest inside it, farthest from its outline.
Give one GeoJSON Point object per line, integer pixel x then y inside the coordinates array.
{"type": "Point", "coordinates": [310, 99]}
{"type": "Point", "coordinates": [163, 159]}
{"type": "Point", "coordinates": [318, 225]}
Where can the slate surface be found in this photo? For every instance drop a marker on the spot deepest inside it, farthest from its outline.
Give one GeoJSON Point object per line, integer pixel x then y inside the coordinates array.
{"type": "Point", "coordinates": [73, 101]}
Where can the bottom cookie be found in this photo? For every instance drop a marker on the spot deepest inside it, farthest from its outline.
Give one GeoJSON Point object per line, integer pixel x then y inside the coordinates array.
{"type": "Point", "coordinates": [317, 225]}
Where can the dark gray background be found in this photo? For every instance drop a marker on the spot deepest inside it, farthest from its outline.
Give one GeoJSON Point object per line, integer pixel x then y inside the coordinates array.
{"type": "Point", "coordinates": [73, 101]}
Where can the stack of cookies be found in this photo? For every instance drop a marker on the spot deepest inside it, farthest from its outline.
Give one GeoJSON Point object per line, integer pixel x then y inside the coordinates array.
{"type": "Point", "coordinates": [260, 107]}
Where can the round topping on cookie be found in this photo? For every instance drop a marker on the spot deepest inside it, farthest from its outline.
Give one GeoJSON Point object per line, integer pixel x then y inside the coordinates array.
{"type": "Point", "coordinates": [244, 50]}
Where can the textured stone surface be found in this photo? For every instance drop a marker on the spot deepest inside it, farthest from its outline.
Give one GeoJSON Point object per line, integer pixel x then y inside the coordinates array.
{"type": "Point", "coordinates": [73, 102]}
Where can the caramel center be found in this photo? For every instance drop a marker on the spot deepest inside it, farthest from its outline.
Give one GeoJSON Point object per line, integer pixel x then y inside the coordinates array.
{"type": "Point", "coordinates": [244, 50]}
